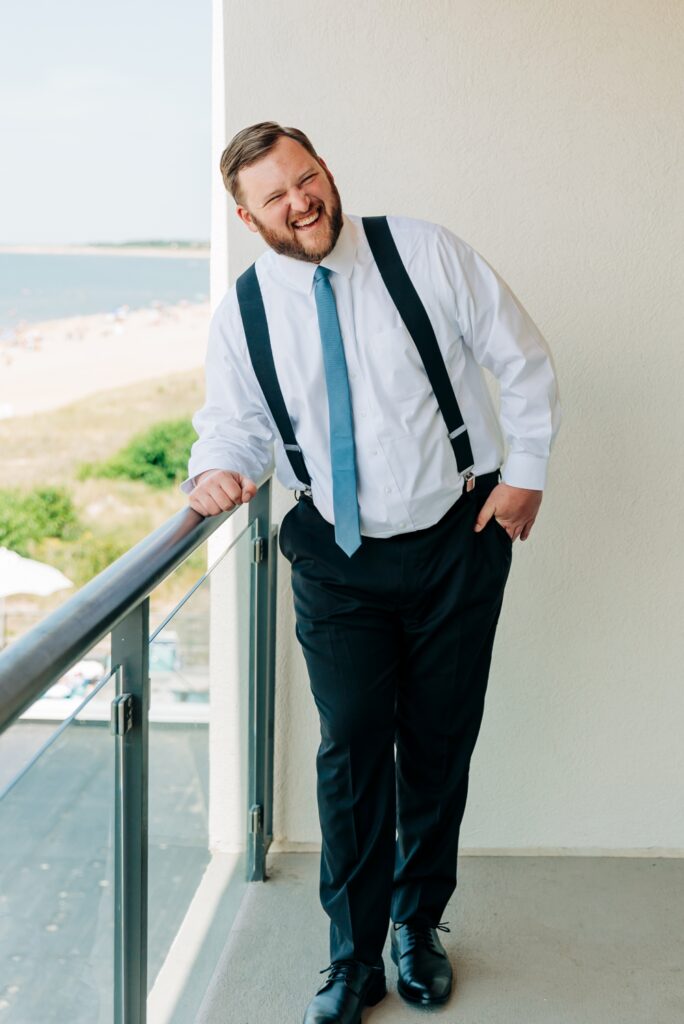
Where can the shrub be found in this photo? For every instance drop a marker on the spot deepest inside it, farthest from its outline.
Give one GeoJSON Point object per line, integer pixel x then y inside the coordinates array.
{"type": "Point", "coordinates": [159, 456]}
{"type": "Point", "coordinates": [29, 518]}
{"type": "Point", "coordinates": [93, 553]}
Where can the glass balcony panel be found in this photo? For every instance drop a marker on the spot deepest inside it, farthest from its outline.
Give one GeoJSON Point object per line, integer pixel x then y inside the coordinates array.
{"type": "Point", "coordinates": [33, 729]}
{"type": "Point", "coordinates": [57, 866]}
{"type": "Point", "coordinates": [197, 782]}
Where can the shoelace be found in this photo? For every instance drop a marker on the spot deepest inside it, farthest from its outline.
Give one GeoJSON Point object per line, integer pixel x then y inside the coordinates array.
{"type": "Point", "coordinates": [340, 969]}
{"type": "Point", "coordinates": [422, 935]}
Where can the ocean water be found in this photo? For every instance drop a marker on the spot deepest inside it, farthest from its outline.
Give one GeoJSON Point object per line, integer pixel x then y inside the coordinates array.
{"type": "Point", "coordinates": [47, 286]}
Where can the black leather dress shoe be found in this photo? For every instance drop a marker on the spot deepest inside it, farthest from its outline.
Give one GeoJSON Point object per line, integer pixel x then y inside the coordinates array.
{"type": "Point", "coordinates": [349, 987]}
{"type": "Point", "coordinates": [425, 974]}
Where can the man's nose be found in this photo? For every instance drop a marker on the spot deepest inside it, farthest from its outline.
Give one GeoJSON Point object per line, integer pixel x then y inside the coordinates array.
{"type": "Point", "coordinates": [299, 201]}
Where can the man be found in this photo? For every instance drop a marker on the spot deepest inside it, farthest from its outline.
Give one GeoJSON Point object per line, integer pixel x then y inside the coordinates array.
{"type": "Point", "coordinates": [356, 344]}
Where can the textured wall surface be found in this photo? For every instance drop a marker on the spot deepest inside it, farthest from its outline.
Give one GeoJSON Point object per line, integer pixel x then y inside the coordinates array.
{"type": "Point", "coordinates": [548, 136]}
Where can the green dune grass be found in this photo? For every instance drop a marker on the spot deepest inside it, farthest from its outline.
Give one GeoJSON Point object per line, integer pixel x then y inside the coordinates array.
{"type": "Point", "coordinates": [48, 450]}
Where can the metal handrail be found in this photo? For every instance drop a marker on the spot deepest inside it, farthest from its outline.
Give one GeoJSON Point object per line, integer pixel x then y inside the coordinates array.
{"type": "Point", "coordinates": [30, 665]}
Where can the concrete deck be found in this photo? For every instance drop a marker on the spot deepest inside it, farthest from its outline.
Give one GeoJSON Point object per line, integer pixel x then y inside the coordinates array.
{"type": "Point", "coordinates": [553, 940]}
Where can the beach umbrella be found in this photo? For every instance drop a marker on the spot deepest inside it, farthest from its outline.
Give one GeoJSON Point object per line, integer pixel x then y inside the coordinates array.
{"type": "Point", "coordinates": [19, 575]}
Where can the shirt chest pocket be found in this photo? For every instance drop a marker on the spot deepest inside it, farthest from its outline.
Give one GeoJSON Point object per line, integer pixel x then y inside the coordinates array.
{"type": "Point", "coordinates": [396, 365]}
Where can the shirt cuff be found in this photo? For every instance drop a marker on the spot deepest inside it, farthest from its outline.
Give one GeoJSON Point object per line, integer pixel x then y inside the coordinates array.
{"type": "Point", "coordinates": [235, 464]}
{"type": "Point", "coordinates": [524, 470]}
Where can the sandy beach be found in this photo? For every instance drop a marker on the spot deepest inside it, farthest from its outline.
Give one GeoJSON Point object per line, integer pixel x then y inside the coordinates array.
{"type": "Point", "coordinates": [47, 365]}
{"type": "Point", "coordinates": [191, 252]}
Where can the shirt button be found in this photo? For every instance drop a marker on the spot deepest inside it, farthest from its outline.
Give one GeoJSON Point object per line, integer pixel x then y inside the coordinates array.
{"type": "Point", "coordinates": [388, 490]}
{"type": "Point", "coordinates": [374, 451]}
{"type": "Point", "coordinates": [402, 526]}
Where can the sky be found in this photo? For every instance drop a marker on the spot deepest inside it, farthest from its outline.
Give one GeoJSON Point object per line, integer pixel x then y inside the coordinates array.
{"type": "Point", "coordinates": [104, 120]}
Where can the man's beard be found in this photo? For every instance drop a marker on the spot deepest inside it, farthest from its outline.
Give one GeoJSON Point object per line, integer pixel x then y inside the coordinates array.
{"type": "Point", "coordinates": [291, 246]}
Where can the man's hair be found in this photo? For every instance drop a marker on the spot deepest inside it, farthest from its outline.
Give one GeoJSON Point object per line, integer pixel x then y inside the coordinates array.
{"type": "Point", "coordinates": [249, 145]}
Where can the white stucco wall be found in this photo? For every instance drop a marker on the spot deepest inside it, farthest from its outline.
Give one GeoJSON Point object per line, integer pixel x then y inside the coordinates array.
{"type": "Point", "coordinates": [548, 136]}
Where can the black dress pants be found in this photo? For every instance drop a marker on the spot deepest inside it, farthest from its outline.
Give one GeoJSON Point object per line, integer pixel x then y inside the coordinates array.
{"type": "Point", "coordinates": [398, 642]}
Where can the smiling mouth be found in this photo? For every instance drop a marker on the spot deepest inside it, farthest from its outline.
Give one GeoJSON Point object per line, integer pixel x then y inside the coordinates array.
{"type": "Point", "coordinates": [308, 222]}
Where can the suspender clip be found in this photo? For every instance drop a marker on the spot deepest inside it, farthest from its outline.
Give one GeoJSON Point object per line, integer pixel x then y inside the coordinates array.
{"type": "Point", "coordinates": [469, 480]}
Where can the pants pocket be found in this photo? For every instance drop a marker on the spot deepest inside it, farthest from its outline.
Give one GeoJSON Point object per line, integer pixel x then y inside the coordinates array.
{"type": "Point", "coordinates": [501, 530]}
{"type": "Point", "coordinates": [282, 544]}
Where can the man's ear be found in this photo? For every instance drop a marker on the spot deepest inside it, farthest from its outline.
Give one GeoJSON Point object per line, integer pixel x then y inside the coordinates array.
{"type": "Point", "coordinates": [246, 218]}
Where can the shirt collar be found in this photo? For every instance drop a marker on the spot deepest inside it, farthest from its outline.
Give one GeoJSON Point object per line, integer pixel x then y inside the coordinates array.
{"type": "Point", "coordinates": [341, 260]}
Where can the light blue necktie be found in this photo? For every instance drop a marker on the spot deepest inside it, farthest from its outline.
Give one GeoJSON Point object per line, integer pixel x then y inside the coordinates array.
{"type": "Point", "coordinates": [345, 502]}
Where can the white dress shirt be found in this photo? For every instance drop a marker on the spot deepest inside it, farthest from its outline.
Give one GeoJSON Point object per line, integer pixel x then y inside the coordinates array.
{"type": "Point", "coordinates": [406, 470]}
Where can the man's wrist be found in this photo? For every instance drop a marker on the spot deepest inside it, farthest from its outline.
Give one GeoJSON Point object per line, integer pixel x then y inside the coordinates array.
{"type": "Point", "coordinates": [189, 485]}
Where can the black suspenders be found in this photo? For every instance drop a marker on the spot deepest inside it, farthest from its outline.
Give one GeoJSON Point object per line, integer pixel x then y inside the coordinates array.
{"type": "Point", "coordinates": [259, 344]}
{"type": "Point", "coordinates": [416, 320]}
{"type": "Point", "coordinates": [417, 323]}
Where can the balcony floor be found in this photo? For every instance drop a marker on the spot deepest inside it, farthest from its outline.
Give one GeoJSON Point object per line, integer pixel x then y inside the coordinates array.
{"type": "Point", "coordinates": [553, 940]}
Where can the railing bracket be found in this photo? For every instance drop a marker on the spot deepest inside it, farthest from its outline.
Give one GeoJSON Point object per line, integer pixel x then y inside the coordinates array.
{"type": "Point", "coordinates": [259, 549]}
{"type": "Point", "coordinates": [122, 714]}
{"type": "Point", "coordinates": [256, 819]}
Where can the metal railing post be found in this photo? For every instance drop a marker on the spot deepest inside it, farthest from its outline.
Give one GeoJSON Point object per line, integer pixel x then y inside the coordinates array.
{"type": "Point", "coordinates": [270, 685]}
{"type": "Point", "coordinates": [261, 662]}
{"type": "Point", "coordinates": [130, 653]}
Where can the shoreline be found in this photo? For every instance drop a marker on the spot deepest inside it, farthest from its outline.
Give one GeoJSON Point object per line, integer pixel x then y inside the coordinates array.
{"type": "Point", "coordinates": [52, 363]}
{"type": "Point", "coordinates": [201, 252]}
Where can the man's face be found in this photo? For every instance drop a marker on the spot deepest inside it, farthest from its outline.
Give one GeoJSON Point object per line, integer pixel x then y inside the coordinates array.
{"type": "Point", "coordinates": [291, 200]}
